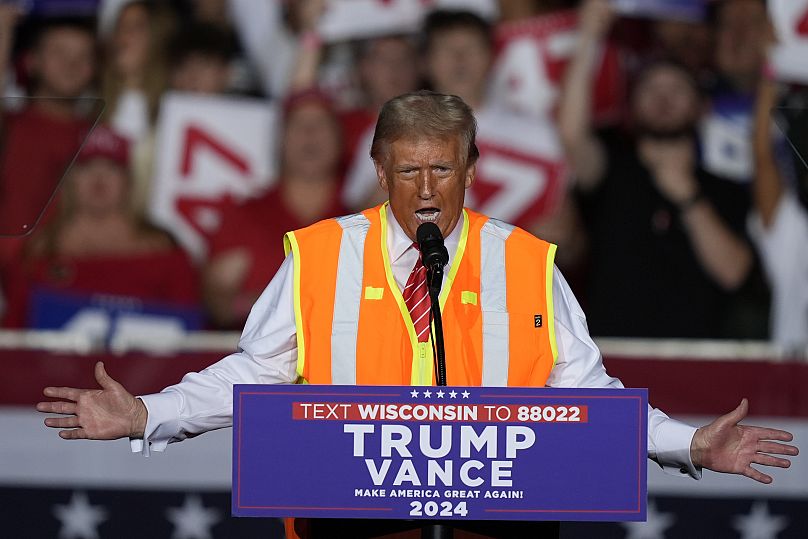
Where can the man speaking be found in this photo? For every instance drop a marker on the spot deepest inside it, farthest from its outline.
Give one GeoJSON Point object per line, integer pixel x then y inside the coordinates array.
{"type": "Point", "coordinates": [349, 306]}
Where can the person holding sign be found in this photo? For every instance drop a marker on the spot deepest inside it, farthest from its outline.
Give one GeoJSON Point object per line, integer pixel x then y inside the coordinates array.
{"type": "Point", "coordinates": [509, 317]}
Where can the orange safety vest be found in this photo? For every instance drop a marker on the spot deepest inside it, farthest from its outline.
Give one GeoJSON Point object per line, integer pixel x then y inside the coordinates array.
{"type": "Point", "coordinates": [353, 326]}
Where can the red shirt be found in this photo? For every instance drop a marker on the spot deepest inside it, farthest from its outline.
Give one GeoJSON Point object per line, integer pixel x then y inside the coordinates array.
{"type": "Point", "coordinates": [165, 278]}
{"type": "Point", "coordinates": [258, 225]}
{"type": "Point", "coordinates": [37, 149]}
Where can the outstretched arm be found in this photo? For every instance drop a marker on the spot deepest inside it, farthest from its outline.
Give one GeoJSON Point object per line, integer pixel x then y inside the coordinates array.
{"type": "Point", "coordinates": [729, 447]}
{"type": "Point", "coordinates": [108, 413]}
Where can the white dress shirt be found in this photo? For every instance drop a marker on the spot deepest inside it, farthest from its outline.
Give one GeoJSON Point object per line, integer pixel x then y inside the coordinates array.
{"type": "Point", "coordinates": [268, 355]}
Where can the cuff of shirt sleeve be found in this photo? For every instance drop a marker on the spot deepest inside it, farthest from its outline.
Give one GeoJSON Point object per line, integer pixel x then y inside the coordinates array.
{"type": "Point", "coordinates": [161, 423]}
{"type": "Point", "coordinates": [676, 460]}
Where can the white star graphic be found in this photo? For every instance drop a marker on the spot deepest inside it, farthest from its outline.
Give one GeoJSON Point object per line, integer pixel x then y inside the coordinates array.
{"type": "Point", "coordinates": [440, 394]}
{"type": "Point", "coordinates": [414, 394]}
{"type": "Point", "coordinates": [653, 528]}
{"type": "Point", "coordinates": [453, 394]}
{"type": "Point", "coordinates": [759, 523]}
{"type": "Point", "coordinates": [427, 394]}
{"type": "Point", "coordinates": [465, 394]}
{"type": "Point", "coordinates": [79, 519]}
{"type": "Point", "coordinates": [193, 520]}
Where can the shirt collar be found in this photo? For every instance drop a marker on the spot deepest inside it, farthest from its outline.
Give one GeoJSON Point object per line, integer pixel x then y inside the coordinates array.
{"type": "Point", "coordinates": [398, 242]}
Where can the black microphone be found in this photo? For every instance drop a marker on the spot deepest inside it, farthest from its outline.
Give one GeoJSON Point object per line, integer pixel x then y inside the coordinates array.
{"type": "Point", "coordinates": [434, 256]}
{"type": "Point", "coordinates": [430, 242]}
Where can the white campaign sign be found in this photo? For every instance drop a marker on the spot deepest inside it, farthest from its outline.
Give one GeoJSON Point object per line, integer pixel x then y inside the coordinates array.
{"type": "Point", "coordinates": [211, 150]}
{"type": "Point", "coordinates": [790, 18]}
{"type": "Point", "coordinates": [520, 173]}
{"type": "Point", "coordinates": [520, 79]}
{"type": "Point", "coordinates": [354, 19]}
{"type": "Point", "coordinates": [532, 55]}
{"type": "Point", "coordinates": [726, 144]}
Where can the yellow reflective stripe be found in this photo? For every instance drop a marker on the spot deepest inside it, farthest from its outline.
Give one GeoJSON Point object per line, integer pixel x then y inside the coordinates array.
{"type": "Point", "coordinates": [422, 361]}
{"type": "Point", "coordinates": [391, 283]}
{"type": "Point", "coordinates": [550, 314]}
{"type": "Point", "coordinates": [287, 244]}
{"type": "Point", "coordinates": [467, 297]}
{"type": "Point", "coordinates": [290, 242]}
{"type": "Point", "coordinates": [372, 292]}
{"type": "Point", "coordinates": [461, 248]}
{"type": "Point", "coordinates": [422, 368]}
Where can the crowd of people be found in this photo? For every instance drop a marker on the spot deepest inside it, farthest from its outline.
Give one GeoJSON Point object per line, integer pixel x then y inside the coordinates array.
{"type": "Point", "coordinates": [664, 228]}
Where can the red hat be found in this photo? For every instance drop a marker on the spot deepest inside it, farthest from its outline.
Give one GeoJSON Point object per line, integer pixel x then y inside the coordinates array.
{"type": "Point", "coordinates": [104, 142]}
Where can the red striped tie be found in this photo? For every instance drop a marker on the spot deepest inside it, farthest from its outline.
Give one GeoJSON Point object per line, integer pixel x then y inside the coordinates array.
{"type": "Point", "coordinates": [416, 297]}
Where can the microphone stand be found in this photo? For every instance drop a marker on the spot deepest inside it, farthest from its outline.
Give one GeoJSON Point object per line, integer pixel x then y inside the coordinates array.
{"type": "Point", "coordinates": [434, 282]}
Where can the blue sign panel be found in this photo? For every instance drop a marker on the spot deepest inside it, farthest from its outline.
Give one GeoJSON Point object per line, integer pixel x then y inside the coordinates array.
{"type": "Point", "coordinates": [475, 453]}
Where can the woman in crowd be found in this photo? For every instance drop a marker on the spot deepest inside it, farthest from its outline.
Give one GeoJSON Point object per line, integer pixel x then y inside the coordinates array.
{"type": "Point", "coordinates": [247, 249]}
{"type": "Point", "coordinates": [99, 246]}
{"type": "Point", "coordinates": [134, 77]}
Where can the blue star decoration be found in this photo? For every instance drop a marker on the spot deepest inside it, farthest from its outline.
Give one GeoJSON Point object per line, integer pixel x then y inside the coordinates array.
{"type": "Point", "coordinates": [465, 394]}
{"type": "Point", "coordinates": [414, 394]}
{"type": "Point", "coordinates": [453, 394]}
{"type": "Point", "coordinates": [440, 394]}
{"type": "Point", "coordinates": [427, 394]}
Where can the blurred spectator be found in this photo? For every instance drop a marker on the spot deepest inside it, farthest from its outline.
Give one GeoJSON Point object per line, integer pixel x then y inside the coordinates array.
{"type": "Point", "coordinates": [98, 252]}
{"type": "Point", "coordinates": [247, 250]}
{"type": "Point", "coordinates": [386, 67]}
{"type": "Point", "coordinates": [59, 66]}
{"type": "Point", "coordinates": [666, 237]}
{"type": "Point", "coordinates": [687, 42]}
{"type": "Point", "coordinates": [779, 227]}
{"type": "Point", "coordinates": [134, 78]}
{"type": "Point", "coordinates": [216, 17]}
{"type": "Point", "coordinates": [458, 52]}
{"type": "Point", "coordinates": [742, 35]}
{"type": "Point", "coordinates": [458, 56]}
{"type": "Point", "coordinates": [271, 35]}
{"type": "Point", "coordinates": [135, 67]}
{"type": "Point", "coordinates": [200, 55]}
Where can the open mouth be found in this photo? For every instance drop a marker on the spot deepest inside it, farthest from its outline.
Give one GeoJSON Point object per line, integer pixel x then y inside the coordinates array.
{"type": "Point", "coordinates": [427, 215]}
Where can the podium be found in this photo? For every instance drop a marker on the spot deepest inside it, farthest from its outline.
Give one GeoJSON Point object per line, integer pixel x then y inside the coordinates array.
{"type": "Point", "coordinates": [376, 461]}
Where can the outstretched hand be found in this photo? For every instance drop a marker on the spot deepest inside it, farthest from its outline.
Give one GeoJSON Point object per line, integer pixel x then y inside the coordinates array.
{"type": "Point", "coordinates": [108, 413]}
{"type": "Point", "coordinates": [726, 446]}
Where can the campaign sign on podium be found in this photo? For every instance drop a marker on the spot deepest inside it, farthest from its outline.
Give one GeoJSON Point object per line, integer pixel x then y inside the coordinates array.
{"type": "Point", "coordinates": [477, 453]}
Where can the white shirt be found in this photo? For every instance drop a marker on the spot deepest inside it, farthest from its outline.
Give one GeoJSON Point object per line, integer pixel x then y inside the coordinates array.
{"type": "Point", "coordinates": [268, 355]}
{"type": "Point", "coordinates": [784, 252]}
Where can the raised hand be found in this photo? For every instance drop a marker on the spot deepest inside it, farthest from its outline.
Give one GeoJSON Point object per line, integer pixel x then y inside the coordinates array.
{"type": "Point", "coordinates": [596, 18]}
{"type": "Point", "coordinates": [671, 163]}
{"type": "Point", "coordinates": [726, 446]}
{"type": "Point", "coordinates": [108, 413]}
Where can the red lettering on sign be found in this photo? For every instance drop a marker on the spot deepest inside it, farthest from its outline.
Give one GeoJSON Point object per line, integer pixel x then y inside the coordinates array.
{"type": "Point", "coordinates": [802, 24]}
{"type": "Point", "coordinates": [514, 186]}
{"type": "Point", "coordinates": [203, 214]}
{"type": "Point", "coordinates": [196, 139]}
